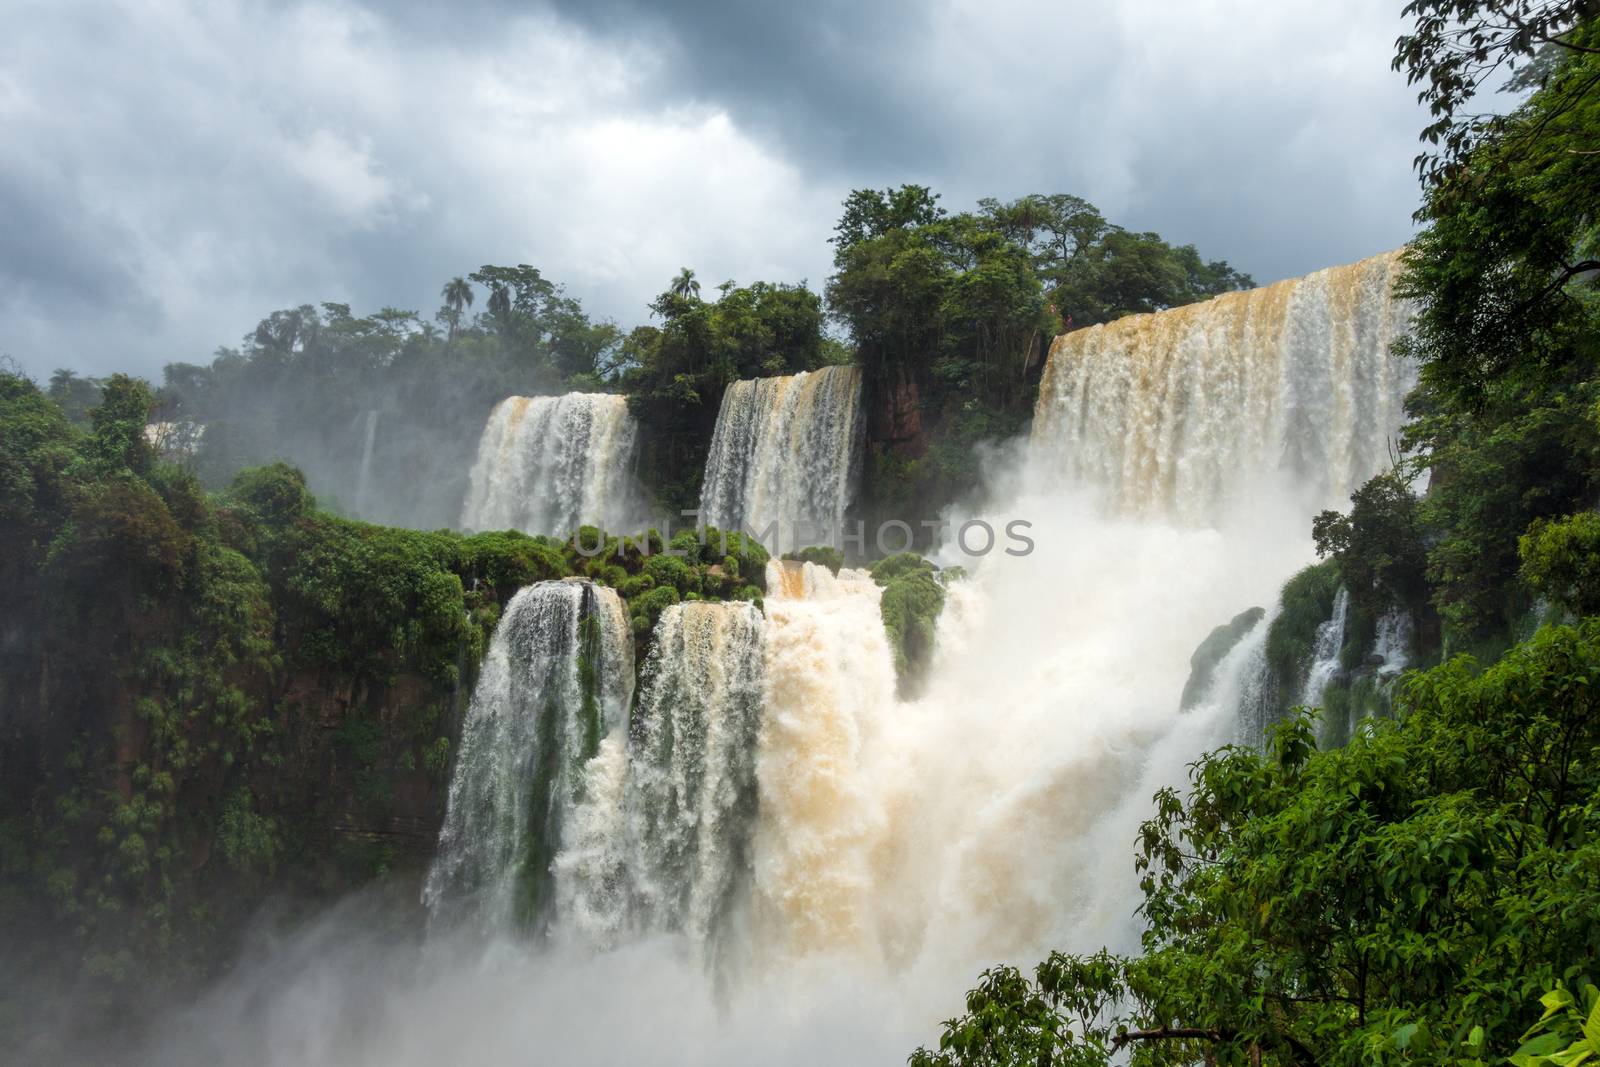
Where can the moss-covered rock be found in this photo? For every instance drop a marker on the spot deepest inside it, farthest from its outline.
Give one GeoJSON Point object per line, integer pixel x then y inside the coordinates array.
{"type": "Point", "coordinates": [1209, 655]}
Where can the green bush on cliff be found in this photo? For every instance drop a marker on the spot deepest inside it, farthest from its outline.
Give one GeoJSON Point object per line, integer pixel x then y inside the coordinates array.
{"type": "Point", "coordinates": [646, 609]}
{"type": "Point", "coordinates": [369, 600]}
{"type": "Point", "coordinates": [1206, 658]}
{"type": "Point", "coordinates": [675, 572]}
{"type": "Point", "coordinates": [509, 560]}
{"type": "Point", "coordinates": [651, 574]}
{"type": "Point", "coordinates": [910, 605]}
{"type": "Point", "coordinates": [1305, 603]}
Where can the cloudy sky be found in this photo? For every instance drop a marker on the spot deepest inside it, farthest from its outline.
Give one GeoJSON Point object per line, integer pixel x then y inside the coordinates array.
{"type": "Point", "coordinates": [172, 171]}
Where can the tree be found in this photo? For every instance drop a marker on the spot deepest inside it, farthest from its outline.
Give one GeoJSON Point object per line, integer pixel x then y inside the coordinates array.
{"type": "Point", "coordinates": [951, 316]}
{"type": "Point", "coordinates": [1506, 282]}
{"type": "Point", "coordinates": [675, 373]}
{"type": "Point", "coordinates": [458, 296]}
{"type": "Point", "coordinates": [684, 286]}
{"type": "Point", "coordinates": [1459, 46]}
{"type": "Point", "coordinates": [869, 214]}
{"type": "Point", "coordinates": [118, 436]}
{"type": "Point", "coordinates": [75, 394]}
{"type": "Point", "coordinates": [1379, 547]}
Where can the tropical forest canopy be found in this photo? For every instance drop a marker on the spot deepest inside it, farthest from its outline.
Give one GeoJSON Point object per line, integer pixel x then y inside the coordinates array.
{"type": "Point", "coordinates": [958, 309]}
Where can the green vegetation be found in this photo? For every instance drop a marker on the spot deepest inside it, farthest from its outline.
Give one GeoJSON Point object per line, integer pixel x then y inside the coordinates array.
{"type": "Point", "coordinates": [821, 555]}
{"type": "Point", "coordinates": [704, 564]}
{"type": "Point", "coordinates": [913, 597]}
{"type": "Point", "coordinates": [1305, 603]}
{"type": "Point", "coordinates": [302, 384]}
{"type": "Point", "coordinates": [1407, 897]}
{"type": "Point", "coordinates": [202, 685]}
{"type": "Point", "coordinates": [1505, 276]}
{"type": "Point", "coordinates": [950, 317]}
{"type": "Point", "coordinates": [1561, 561]}
{"type": "Point", "coordinates": [1430, 891]}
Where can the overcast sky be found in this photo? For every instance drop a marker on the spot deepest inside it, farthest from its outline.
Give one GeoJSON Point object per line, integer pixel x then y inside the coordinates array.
{"type": "Point", "coordinates": [171, 172]}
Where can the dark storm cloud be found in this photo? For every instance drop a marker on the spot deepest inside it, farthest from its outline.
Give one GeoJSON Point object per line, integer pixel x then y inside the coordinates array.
{"type": "Point", "coordinates": [826, 78]}
{"type": "Point", "coordinates": [175, 171]}
{"type": "Point", "coordinates": [1272, 134]}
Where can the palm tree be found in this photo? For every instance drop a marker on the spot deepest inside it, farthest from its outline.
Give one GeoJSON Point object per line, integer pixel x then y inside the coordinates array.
{"type": "Point", "coordinates": [457, 296]}
{"type": "Point", "coordinates": [684, 287]}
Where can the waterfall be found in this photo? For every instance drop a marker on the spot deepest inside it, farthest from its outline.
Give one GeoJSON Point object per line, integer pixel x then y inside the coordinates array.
{"type": "Point", "coordinates": [175, 441]}
{"type": "Point", "coordinates": [772, 803]}
{"type": "Point", "coordinates": [1188, 412]}
{"type": "Point", "coordinates": [785, 451]}
{"type": "Point", "coordinates": [829, 675]}
{"type": "Point", "coordinates": [1392, 645]}
{"type": "Point", "coordinates": [1326, 651]}
{"type": "Point", "coordinates": [558, 677]}
{"type": "Point", "coordinates": [549, 464]}
{"type": "Point", "coordinates": [664, 838]}
{"type": "Point", "coordinates": [363, 478]}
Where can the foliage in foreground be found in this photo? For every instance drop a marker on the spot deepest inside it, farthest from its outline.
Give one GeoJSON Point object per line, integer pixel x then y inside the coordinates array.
{"type": "Point", "coordinates": [1406, 898]}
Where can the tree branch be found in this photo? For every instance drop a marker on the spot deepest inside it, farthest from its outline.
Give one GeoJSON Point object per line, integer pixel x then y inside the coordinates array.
{"type": "Point", "coordinates": [1583, 267]}
{"type": "Point", "coordinates": [1168, 1033]}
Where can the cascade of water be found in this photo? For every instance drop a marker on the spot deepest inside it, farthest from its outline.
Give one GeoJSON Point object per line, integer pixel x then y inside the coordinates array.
{"type": "Point", "coordinates": [829, 673]}
{"type": "Point", "coordinates": [1392, 645]}
{"type": "Point", "coordinates": [1187, 412]}
{"type": "Point", "coordinates": [990, 818]}
{"type": "Point", "coordinates": [1232, 711]}
{"type": "Point", "coordinates": [558, 677]}
{"type": "Point", "coordinates": [785, 451]}
{"type": "Point", "coordinates": [1051, 713]}
{"type": "Point", "coordinates": [1327, 651]}
{"type": "Point", "coordinates": [175, 441]}
{"type": "Point", "coordinates": [364, 476]}
{"type": "Point", "coordinates": [663, 843]}
{"type": "Point", "coordinates": [549, 464]}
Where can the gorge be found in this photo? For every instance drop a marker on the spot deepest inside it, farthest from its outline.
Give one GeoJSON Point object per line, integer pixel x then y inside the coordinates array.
{"type": "Point", "coordinates": [771, 818]}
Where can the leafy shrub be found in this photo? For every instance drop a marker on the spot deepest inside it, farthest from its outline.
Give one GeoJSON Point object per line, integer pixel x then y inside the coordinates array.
{"type": "Point", "coordinates": [509, 560]}
{"type": "Point", "coordinates": [248, 840]}
{"type": "Point", "coordinates": [672, 571]}
{"type": "Point", "coordinates": [276, 493]}
{"type": "Point", "coordinates": [646, 609]}
{"type": "Point", "coordinates": [636, 586]}
{"type": "Point", "coordinates": [1561, 560]}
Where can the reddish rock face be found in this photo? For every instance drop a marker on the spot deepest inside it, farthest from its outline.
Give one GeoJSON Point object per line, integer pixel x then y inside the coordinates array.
{"type": "Point", "coordinates": [896, 417]}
